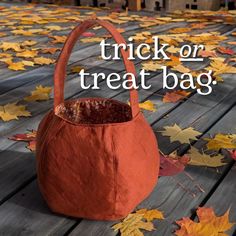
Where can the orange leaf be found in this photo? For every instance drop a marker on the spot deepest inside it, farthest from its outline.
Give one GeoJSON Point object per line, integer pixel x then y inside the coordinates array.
{"type": "Point", "coordinates": [209, 224]}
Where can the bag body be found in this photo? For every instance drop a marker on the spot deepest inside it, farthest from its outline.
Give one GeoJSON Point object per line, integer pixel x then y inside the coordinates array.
{"type": "Point", "coordinates": [97, 158]}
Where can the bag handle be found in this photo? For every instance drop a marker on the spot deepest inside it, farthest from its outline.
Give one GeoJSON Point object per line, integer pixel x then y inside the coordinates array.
{"type": "Point", "coordinates": [60, 69]}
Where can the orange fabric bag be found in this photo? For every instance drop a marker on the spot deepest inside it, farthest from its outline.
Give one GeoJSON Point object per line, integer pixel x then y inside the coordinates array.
{"type": "Point", "coordinates": [97, 158]}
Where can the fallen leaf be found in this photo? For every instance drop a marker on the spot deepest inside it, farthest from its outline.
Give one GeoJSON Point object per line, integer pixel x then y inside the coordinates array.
{"type": "Point", "coordinates": [11, 111]}
{"type": "Point", "coordinates": [148, 105]}
{"type": "Point", "coordinates": [16, 66]}
{"type": "Point", "coordinates": [180, 68]}
{"type": "Point", "coordinates": [10, 46]}
{"type": "Point", "coordinates": [150, 215]}
{"type": "Point", "coordinates": [27, 54]}
{"type": "Point", "coordinates": [209, 224]}
{"type": "Point", "coordinates": [39, 94]}
{"type": "Point", "coordinates": [50, 50]}
{"type": "Point", "coordinates": [140, 220]}
{"type": "Point", "coordinates": [76, 69]}
{"type": "Point", "coordinates": [29, 137]}
{"type": "Point", "coordinates": [227, 141]}
{"type": "Point", "coordinates": [224, 50]}
{"type": "Point", "coordinates": [175, 96]}
{"type": "Point", "coordinates": [59, 39]}
{"type": "Point", "coordinates": [181, 135]}
{"type": "Point", "coordinates": [92, 40]}
{"type": "Point", "coordinates": [172, 164]}
{"type": "Point", "coordinates": [219, 67]}
{"type": "Point", "coordinates": [203, 159]}
{"type": "Point", "coordinates": [43, 61]}
{"type": "Point", "coordinates": [26, 137]}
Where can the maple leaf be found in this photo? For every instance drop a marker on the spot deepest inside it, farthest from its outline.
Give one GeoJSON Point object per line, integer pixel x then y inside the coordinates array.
{"type": "Point", "coordinates": [172, 164]}
{"type": "Point", "coordinates": [39, 94]}
{"type": "Point", "coordinates": [92, 40]}
{"type": "Point", "coordinates": [43, 60]}
{"type": "Point", "coordinates": [59, 39]}
{"type": "Point", "coordinates": [224, 50]}
{"type": "Point", "coordinates": [28, 63]}
{"type": "Point", "coordinates": [147, 105]}
{"type": "Point", "coordinates": [175, 96]}
{"type": "Point", "coordinates": [10, 46]}
{"type": "Point", "coordinates": [209, 224]}
{"type": "Point", "coordinates": [219, 68]}
{"type": "Point", "coordinates": [31, 145]}
{"type": "Point", "coordinates": [150, 215]}
{"type": "Point", "coordinates": [202, 159]}
{"type": "Point", "coordinates": [152, 66]}
{"type": "Point", "coordinates": [28, 43]}
{"type": "Point", "coordinates": [50, 50]}
{"type": "Point", "coordinates": [76, 69]}
{"type": "Point", "coordinates": [180, 68]}
{"type": "Point", "coordinates": [29, 136]}
{"type": "Point", "coordinates": [132, 225]}
{"type": "Point", "coordinates": [16, 65]}
{"type": "Point", "coordinates": [179, 30]}
{"type": "Point", "coordinates": [22, 32]}
{"type": "Point", "coordinates": [27, 54]}
{"type": "Point", "coordinates": [11, 111]}
{"type": "Point", "coordinates": [227, 141]}
{"type": "Point", "coordinates": [177, 134]}
{"type": "Point", "coordinates": [53, 27]}
{"type": "Point", "coordinates": [173, 62]}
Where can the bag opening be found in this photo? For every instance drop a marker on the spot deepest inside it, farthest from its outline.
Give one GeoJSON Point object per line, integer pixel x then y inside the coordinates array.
{"type": "Point", "coordinates": [94, 111]}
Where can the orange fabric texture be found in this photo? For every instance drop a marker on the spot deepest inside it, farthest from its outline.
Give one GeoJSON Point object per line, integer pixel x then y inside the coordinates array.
{"type": "Point", "coordinates": [89, 169]}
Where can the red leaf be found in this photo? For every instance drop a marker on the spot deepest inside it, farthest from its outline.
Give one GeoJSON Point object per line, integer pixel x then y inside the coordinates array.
{"type": "Point", "coordinates": [24, 137]}
{"type": "Point", "coordinates": [31, 145]}
{"type": "Point", "coordinates": [170, 166]}
{"type": "Point", "coordinates": [225, 50]}
{"type": "Point", "coordinates": [233, 154]}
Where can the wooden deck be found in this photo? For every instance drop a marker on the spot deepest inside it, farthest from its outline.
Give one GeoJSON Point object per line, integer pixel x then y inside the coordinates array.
{"type": "Point", "coordinates": [22, 209]}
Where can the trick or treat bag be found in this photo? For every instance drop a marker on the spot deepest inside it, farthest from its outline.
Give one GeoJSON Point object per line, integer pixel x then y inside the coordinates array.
{"type": "Point", "coordinates": [97, 158]}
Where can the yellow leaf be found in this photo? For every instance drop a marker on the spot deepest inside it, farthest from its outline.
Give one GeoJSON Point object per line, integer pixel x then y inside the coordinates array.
{"type": "Point", "coordinates": [152, 65]}
{"type": "Point", "coordinates": [92, 40]}
{"type": "Point", "coordinates": [180, 68]}
{"type": "Point", "coordinates": [11, 111]}
{"type": "Point", "coordinates": [76, 69]}
{"type": "Point", "coordinates": [53, 27]}
{"type": "Point", "coordinates": [202, 159]}
{"type": "Point", "coordinates": [59, 39]}
{"type": "Point", "coordinates": [39, 94]}
{"type": "Point", "coordinates": [132, 225]}
{"type": "Point", "coordinates": [22, 32]}
{"type": "Point", "coordinates": [43, 61]}
{"type": "Point", "coordinates": [219, 68]}
{"type": "Point", "coordinates": [147, 105]}
{"type": "Point", "coordinates": [10, 46]}
{"type": "Point", "coordinates": [209, 224]}
{"type": "Point", "coordinates": [227, 141]}
{"type": "Point", "coordinates": [177, 134]}
{"type": "Point", "coordinates": [28, 63]}
{"type": "Point", "coordinates": [16, 66]}
{"type": "Point", "coordinates": [151, 215]}
{"type": "Point", "coordinates": [27, 54]}
{"type": "Point", "coordinates": [28, 43]}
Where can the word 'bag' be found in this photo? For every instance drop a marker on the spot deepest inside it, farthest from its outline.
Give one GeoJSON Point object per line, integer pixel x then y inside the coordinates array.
{"type": "Point", "coordinates": [97, 158]}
